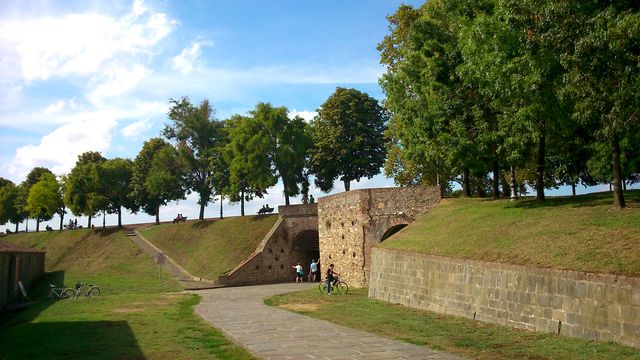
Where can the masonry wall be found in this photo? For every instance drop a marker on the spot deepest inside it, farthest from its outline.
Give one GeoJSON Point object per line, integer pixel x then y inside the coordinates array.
{"type": "Point", "coordinates": [281, 248]}
{"type": "Point", "coordinates": [590, 306]}
{"type": "Point", "coordinates": [30, 267]}
{"type": "Point", "coordinates": [351, 223]}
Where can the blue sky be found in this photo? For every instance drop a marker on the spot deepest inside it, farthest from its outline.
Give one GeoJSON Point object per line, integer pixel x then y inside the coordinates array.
{"type": "Point", "coordinates": [80, 76]}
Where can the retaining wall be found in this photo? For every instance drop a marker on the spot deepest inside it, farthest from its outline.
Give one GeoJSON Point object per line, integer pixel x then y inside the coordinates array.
{"type": "Point", "coordinates": [583, 305]}
{"type": "Point", "coordinates": [18, 266]}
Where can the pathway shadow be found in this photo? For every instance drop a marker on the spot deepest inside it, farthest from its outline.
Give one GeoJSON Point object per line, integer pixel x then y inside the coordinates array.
{"type": "Point", "coordinates": [70, 339]}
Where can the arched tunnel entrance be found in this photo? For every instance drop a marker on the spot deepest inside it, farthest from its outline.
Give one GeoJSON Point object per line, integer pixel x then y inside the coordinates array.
{"type": "Point", "coordinates": [392, 230]}
{"type": "Point", "coordinates": [306, 247]}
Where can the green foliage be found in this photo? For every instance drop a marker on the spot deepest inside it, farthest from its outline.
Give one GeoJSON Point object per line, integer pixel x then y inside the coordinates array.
{"type": "Point", "coordinates": [348, 141]}
{"type": "Point", "coordinates": [81, 186]}
{"type": "Point", "coordinates": [197, 135]}
{"type": "Point", "coordinates": [45, 198]}
{"type": "Point", "coordinates": [113, 188]}
{"type": "Point", "coordinates": [8, 200]}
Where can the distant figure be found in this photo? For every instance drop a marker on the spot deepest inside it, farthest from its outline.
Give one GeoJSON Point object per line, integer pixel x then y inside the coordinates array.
{"type": "Point", "coordinates": [313, 270]}
{"type": "Point", "coordinates": [305, 198]}
{"type": "Point", "coordinates": [311, 199]}
{"type": "Point", "coordinates": [299, 272]}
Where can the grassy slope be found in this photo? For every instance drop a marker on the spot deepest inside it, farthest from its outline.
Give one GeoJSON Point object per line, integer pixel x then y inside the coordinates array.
{"type": "Point", "coordinates": [471, 339]}
{"type": "Point", "coordinates": [211, 248]}
{"type": "Point", "coordinates": [584, 233]}
{"type": "Point", "coordinates": [139, 314]}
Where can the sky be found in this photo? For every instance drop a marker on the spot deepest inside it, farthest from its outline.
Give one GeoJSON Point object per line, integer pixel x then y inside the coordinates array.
{"type": "Point", "coordinates": [79, 76]}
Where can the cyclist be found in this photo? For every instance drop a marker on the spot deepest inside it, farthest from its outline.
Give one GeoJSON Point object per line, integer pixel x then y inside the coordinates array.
{"type": "Point", "coordinates": [332, 276]}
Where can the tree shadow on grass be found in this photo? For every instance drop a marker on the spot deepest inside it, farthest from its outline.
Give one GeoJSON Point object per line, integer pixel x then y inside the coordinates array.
{"type": "Point", "coordinates": [202, 224]}
{"type": "Point", "coordinates": [632, 199]}
{"type": "Point", "coordinates": [70, 339]}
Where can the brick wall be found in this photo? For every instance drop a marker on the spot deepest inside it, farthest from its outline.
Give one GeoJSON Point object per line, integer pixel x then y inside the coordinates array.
{"type": "Point", "coordinates": [590, 306]}
{"type": "Point", "coordinates": [352, 222]}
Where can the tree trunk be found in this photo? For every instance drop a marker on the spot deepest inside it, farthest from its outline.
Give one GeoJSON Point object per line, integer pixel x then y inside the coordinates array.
{"type": "Point", "coordinates": [242, 202]}
{"type": "Point", "coordinates": [221, 206]}
{"type": "Point", "coordinates": [573, 188]}
{"type": "Point", "coordinates": [17, 223]}
{"type": "Point", "coordinates": [37, 224]}
{"type": "Point", "coordinates": [618, 197]}
{"type": "Point", "coordinates": [496, 179]}
{"type": "Point", "coordinates": [89, 222]}
{"type": "Point", "coordinates": [104, 219]}
{"type": "Point", "coordinates": [158, 215]}
{"type": "Point", "coordinates": [26, 225]}
{"type": "Point", "coordinates": [61, 220]}
{"type": "Point", "coordinates": [201, 216]}
{"type": "Point", "coordinates": [514, 194]}
{"type": "Point", "coordinates": [466, 187]}
{"type": "Point", "coordinates": [286, 191]}
{"type": "Point", "coordinates": [540, 168]}
{"type": "Point", "coordinates": [624, 185]}
{"type": "Point", "coordinates": [347, 184]}
{"type": "Point", "coordinates": [119, 216]}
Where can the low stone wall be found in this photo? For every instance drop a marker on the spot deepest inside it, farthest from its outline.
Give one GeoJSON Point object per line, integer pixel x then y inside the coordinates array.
{"type": "Point", "coordinates": [590, 306]}
{"type": "Point", "coordinates": [286, 244]}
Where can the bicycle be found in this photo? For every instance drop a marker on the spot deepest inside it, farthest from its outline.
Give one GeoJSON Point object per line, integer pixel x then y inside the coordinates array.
{"type": "Point", "coordinates": [60, 292]}
{"type": "Point", "coordinates": [338, 285]}
{"type": "Point", "coordinates": [94, 291]}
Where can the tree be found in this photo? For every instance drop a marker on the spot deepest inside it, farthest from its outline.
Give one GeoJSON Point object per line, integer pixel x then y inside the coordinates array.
{"type": "Point", "coordinates": [114, 185]}
{"type": "Point", "coordinates": [249, 171]}
{"type": "Point", "coordinates": [8, 202]}
{"type": "Point", "coordinates": [603, 76]}
{"type": "Point", "coordinates": [348, 138]}
{"type": "Point", "coordinates": [45, 200]}
{"type": "Point", "coordinates": [32, 178]}
{"type": "Point", "coordinates": [81, 186]}
{"type": "Point", "coordinates": [196, 132]}
{"type": "Point", "coordinates": [158, 176]}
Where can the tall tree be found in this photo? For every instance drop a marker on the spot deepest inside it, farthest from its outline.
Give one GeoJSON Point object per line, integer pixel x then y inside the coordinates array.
{"type": "Point", "coordinates": [158, 176]}
{"type": "Point", "coordinates": [348, 138]}
{"type": "Point", "coordinates": [24, 191]}
{"type": "Point", "coordinates": [8, 203]}
{"type": "Point", "coordinates": [45, 199]}
{"type": "Point", "coordinates": [114, 185]}
{"type": "Point", "coordinates": [81, 186]}
{"type": "Point", "coordinates": [249, 171]}
{"type": "Point", "coordinates": [196, 132]}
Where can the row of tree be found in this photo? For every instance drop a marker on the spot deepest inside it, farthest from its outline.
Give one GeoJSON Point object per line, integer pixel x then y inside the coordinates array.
{"type": "Point", "coordinates": [545, 89]}
{"type": "Point", "coordinates": [239, 158]}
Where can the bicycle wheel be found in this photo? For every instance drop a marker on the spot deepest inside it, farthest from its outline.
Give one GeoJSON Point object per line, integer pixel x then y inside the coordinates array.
{"type": "Point", "coordinates": [322, 287]}
{"type": "Point", "coordinates": [67, 294]}
{"type": "Point", "coordinates": [342, 287]}
{"type": "Point", "coordinates": [94, 292]}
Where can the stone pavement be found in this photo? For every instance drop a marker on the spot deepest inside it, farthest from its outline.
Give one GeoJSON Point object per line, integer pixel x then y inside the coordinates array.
{"type": "Point", "coordinates": [272, 333]}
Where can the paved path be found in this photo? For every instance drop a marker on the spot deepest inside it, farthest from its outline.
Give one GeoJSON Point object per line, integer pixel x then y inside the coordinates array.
{"type": "Point", "coordinates": [272, 333]}
{"type": "Point", "coordinates": [185, 279]}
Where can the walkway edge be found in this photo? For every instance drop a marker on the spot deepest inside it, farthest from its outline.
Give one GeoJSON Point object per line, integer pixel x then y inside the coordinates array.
{"type": "Point", "coordinates": [173, 262]}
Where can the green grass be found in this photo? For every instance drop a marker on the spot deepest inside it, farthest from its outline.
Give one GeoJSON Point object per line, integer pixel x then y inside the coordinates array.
{"type": "Point", "coordinates": [472, 339]}
{"type": "Point", "coordinates": [211, 248]}
{"type": "Point", "coordinates": [140, 314]}
{"type": "Point", "coordinates": [584, 233]}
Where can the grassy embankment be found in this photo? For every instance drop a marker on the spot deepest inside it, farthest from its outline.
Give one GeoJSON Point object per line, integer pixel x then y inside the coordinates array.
{"type": "Point", "coordinates": [472, 339]}
{"type": "Point", "coordinates": [140, 314]}
{"type": "Point", "coordinates": [584, 233]}
{"type": "Point", "coordinates": [211, 248]}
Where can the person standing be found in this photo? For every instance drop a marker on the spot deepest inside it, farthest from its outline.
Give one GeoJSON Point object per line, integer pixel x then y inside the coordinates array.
{"type": "Point", "coordinates": [299, 272]}
{"type": "Point", "coordinates": [330, 277]}
{"type": "Point", "coordinates": [313, 269]}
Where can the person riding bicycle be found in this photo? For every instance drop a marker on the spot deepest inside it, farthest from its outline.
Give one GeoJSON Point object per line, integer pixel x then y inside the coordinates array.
{"type": "Point", "coordinates": [331, 279]}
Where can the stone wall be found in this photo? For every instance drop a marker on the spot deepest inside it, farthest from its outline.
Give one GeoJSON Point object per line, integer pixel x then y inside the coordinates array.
{"type": "Point", "coordinates": [351, 223]}
{"type": "Point", "coordinates": [590, 306]}
{"type": "Point", "coordinates": [18, 266]}
{"type": "Point", "coordinates": [293, 239]}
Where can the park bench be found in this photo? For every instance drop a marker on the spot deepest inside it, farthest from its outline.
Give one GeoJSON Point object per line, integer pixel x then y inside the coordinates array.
{"type": "Point", "coordinates": [265, 210]}
{"type": "Point", "coordinates": [180, 218]}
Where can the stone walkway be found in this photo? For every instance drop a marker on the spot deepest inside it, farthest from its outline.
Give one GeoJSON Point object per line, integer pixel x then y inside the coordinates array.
{"type": "Point", "coordinates": [272, 333]}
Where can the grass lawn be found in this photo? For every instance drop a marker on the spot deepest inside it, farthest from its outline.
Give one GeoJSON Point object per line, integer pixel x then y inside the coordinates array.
{"type": "Point", "coordinates": [583, 233]}
{"type": "Point", "coordinates": [211, 248]}
{"type": "Point", "coordinates": [140, 314]}
{"type": "Point", "coordinates": [472, 339]}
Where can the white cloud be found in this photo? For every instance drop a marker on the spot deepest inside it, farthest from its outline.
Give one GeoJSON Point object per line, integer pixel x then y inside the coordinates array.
{"type": "Point", "coordinates": [135, 129]}
{"type": "Point", "coordinates": [188, 57]}
{"type": "Point", "coordinates": [116, 81]}
{"type": "Point", "coordinates": [59, 150]}
{"type": "Point", "coordinates": [78, 44]}
{"type": "Point", "coordinates": [307, 115]}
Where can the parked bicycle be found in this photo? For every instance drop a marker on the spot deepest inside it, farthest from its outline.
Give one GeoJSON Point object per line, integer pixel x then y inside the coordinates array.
{"type": "Point", "coordinates": [93, 291]}
{"type": "Point", "coordinates": [60, 292]}
{"type": "Point", "coordinates": [338, 285]}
